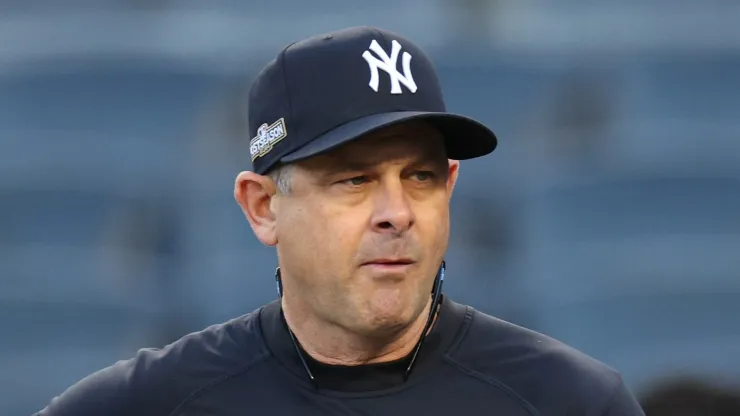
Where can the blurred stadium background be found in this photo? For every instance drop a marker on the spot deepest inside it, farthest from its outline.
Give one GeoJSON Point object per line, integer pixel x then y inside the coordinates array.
{"type": "Point", "coordinates": [609, 217]}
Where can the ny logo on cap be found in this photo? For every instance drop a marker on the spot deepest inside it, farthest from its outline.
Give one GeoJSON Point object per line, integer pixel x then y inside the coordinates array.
{"type": "Point", "coordinates": [388, 64]}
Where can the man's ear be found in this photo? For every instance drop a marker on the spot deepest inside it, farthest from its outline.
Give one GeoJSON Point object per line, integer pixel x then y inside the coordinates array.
{"type": "Point", "coordinates": [254, 194]}
{"type": "Point", "coordinates": [454, 170]}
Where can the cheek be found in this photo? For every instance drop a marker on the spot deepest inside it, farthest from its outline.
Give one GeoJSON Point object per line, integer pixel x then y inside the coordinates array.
{"type": "Point", "coordinates": [318, 234]}
{"type": "Point", "coordinates": [434, 224]}
{"type": "Point", "coordinates": [345, 232]}
{"type": "Point", "coordinates": [296, 235]}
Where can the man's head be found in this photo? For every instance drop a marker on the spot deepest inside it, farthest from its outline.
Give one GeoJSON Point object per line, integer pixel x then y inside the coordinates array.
{"type": "Point", "coordinates": [363, 229]}
{"type": "Point", "coordinates": [354, 163]}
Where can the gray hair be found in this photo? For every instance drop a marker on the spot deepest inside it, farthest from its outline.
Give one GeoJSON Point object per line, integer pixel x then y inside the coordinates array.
{"type": "Point", "coordinates": [281, 175]}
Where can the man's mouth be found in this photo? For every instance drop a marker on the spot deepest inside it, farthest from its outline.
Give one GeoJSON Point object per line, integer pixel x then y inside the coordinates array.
{"type": "Point", "coordinates": [390, 262]}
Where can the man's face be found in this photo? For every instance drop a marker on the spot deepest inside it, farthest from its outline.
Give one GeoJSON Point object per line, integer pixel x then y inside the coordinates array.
{"type": "Point", "coordinates": [362, 233]}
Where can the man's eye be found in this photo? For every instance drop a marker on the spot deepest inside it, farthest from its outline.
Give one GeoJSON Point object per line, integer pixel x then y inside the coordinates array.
{"type": "Point", "coordinates": [356, 181]}
{"type": "Point", "coordinates": [424, 176]}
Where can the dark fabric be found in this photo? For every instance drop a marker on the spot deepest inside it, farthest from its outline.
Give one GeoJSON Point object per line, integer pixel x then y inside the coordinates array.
{"type": "Point", "coordinates": [471, 364]}
{"type": "Point", "coordinates": [327, 90]}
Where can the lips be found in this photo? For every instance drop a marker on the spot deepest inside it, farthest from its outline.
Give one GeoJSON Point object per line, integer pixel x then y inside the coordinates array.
{"type": "Point", "coordinates": [390, 262]}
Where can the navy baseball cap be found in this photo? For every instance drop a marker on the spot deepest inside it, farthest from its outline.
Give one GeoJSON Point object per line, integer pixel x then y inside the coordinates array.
{"type": "Point", "coordinates": [330, 89]}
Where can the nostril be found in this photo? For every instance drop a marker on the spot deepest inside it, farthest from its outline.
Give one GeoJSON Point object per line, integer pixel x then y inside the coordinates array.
{"type": "Point", "coordinates": [385, 225]}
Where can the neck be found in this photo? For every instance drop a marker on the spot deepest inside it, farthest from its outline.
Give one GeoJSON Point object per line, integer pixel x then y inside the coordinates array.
{"type": "Point", "coordinates": [329, 343]}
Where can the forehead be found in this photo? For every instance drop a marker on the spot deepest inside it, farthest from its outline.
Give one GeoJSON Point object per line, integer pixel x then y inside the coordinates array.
{"type": "Point", "coordinates": [413, 140]}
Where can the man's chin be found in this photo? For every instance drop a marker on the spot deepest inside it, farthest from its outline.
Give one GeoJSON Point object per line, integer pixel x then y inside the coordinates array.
{"type": "Point", "coordinates": [388, 322]}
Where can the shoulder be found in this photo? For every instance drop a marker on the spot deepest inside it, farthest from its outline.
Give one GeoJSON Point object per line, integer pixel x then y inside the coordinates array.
{"type": "Point", "coordinates": [543, 372]}
{"type": "Point", "coordinates": [156, 381]}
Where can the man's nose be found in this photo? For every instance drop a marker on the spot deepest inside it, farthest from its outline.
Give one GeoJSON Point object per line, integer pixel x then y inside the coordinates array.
{"type": "Point", "coordinates": [393, 212]}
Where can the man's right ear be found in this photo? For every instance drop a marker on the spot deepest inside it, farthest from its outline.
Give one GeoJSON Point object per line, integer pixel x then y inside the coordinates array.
{"type": "Point", "coordinates": [254, 194]}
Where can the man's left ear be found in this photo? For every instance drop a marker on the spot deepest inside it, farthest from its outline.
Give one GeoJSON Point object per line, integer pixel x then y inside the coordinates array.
{"type": "Point", "coordinates": [454, 170]}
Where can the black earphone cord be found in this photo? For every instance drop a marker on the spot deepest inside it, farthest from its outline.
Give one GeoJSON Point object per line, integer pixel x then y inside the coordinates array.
{"type": "Point", "coordinates": [436, 300]}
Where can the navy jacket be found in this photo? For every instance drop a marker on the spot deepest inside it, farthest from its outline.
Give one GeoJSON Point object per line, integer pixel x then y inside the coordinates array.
{"type": "Point", "coordinates": [471, 364]}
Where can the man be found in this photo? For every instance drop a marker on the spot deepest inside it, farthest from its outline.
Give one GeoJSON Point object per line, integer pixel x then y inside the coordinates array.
{"type": "Point", "coordinates": [354, 163]}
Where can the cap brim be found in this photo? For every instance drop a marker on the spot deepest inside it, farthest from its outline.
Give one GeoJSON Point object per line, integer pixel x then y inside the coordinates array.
{"type": "Point", "coordinates": [464, 137]}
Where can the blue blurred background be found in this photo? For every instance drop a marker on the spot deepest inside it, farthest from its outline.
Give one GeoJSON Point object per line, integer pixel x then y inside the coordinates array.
{"type": "Point", "coordinates": [608, 218]}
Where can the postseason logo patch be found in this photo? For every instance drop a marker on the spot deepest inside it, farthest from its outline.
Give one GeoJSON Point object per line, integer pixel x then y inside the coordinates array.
{"type": "Point", "coordinates": [267, 137]}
